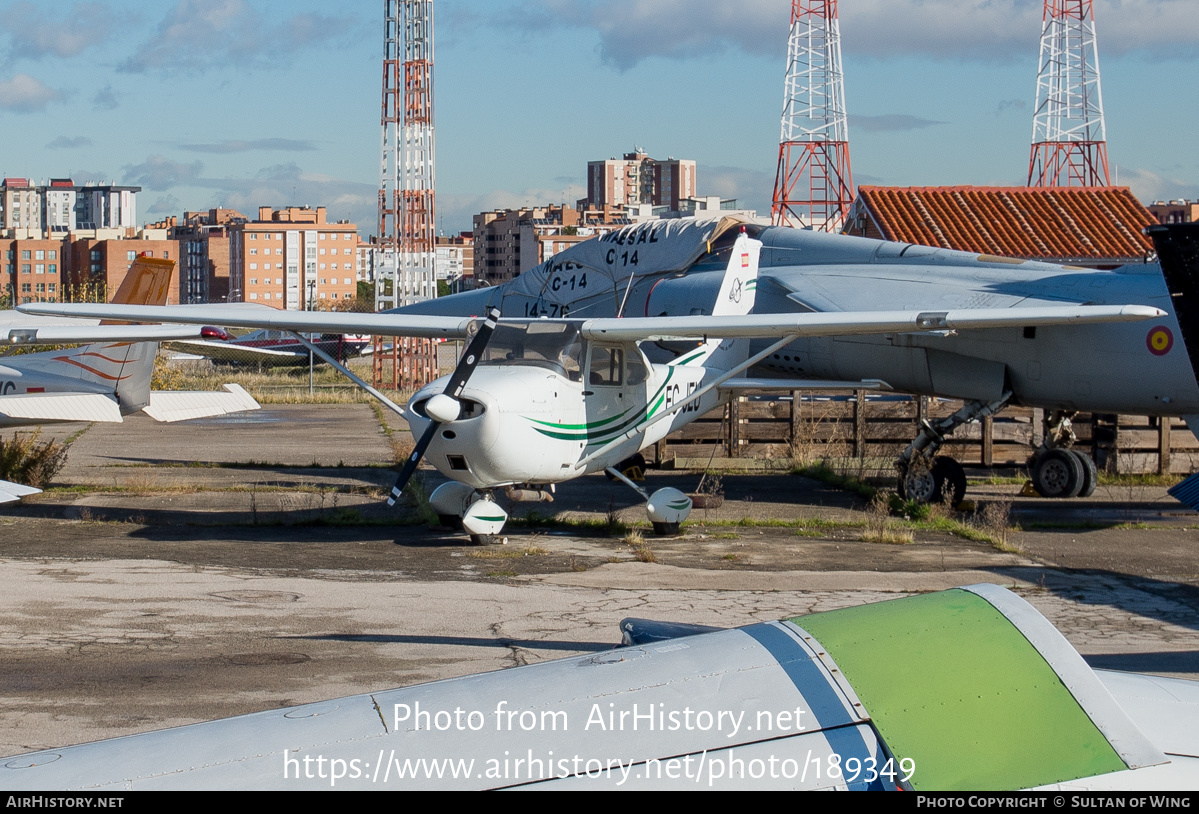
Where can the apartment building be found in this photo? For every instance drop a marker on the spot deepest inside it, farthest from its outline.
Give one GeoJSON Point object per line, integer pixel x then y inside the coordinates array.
{"type": "Point", "coordinates": [293, 259]}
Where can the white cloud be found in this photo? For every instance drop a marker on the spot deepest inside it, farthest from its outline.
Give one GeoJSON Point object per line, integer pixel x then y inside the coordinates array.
{"type": "Point", "coordinates": [159, 173]}
{"type": "Point", "coordinates": [239, 146]}
{"type": "Point", "coordinates": [35, 34]}
{"type": "Point", "coordinates": [24, 94]}
{"type": "Point", "coordinates": [105, 99]}
{"type": "Point", "coordinates": [631, 31]}
{"type": "Point", "coordinates": [68, 143]}
{"type": "Point", "coordinates": [1150, 186]}
{"type": "Point", "coordinates": [890, 122]}
{"type": "Point", "coordinates": [199, 34]}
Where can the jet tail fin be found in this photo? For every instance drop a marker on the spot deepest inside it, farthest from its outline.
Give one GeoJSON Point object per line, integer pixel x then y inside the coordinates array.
{"type": "Point", "coordinates": [1177, 246]}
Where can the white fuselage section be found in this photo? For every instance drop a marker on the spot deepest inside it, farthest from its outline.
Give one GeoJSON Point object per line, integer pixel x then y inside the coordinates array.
{"type": "Point", "coordinates": [525, 424]}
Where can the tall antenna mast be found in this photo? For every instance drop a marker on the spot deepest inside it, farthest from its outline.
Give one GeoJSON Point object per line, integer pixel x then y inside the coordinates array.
{"type": "Point", "coordinates": [406, 179]}
{"type": "Point", "coordinates": [813, 187]}
{"type": "Point", "coordinates": [1069, 141]}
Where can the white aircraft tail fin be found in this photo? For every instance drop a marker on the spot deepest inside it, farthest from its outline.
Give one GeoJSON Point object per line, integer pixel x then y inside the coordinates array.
{"type": "Point", "coordinates": [740, 285]}
{"type": "Point", "coordinates": [736, 298]}
{"type": "Point", "coordinates": [126, 367]}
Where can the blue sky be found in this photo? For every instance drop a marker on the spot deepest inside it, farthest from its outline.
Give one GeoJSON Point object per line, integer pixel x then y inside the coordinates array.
{"type": "Point", "coordinates": [244, 103]}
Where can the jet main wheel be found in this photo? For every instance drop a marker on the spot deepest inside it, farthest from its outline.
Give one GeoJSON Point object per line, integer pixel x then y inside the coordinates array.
{"type": "Point", "coordinates": [666, 529]}
{"type": "Point", "coordinates": [486, 539]}
{"type": "Point", "coordinates": [1058, 472]}
{"type": "Point", "coordinates": [1090, 473]}
{"type": "Point", "coordinates": [944, 480]}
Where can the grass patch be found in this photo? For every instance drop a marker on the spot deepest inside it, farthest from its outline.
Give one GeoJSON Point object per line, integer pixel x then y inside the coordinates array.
{"type": "Point", "coordinates": [824, 473]}
{"type": "Point", "coordinates": [504, 553]}
{"type": "Point", "coordinates": [641, 549]}
{"type": "Point", "coordinates": [1106, 479]}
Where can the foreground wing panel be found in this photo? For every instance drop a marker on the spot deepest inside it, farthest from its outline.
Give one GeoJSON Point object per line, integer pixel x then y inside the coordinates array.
{"type": "Point", "coordinates": [821, 701]}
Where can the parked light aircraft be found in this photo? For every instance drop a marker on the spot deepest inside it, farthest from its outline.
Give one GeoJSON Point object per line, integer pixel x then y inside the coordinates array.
{"type": "Point", "coordinates": [968, 689]}
{"type": "Point", "coordinates": [266, 348]}
{"type": "Point", "coordinates": [544, 398]}
{"type": "Point", "coordinates": [1137, 369]}
{"type": "Point", "coordinates": [105, 379]}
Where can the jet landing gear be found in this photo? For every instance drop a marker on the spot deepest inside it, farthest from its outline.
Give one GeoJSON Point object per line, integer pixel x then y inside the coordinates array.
{"type": "Point", "coordinates": [927, 477]}
{"type": "Point", "coordinates": [1059, 470]}
{"type": "Point", "coordinates": [667, 507]}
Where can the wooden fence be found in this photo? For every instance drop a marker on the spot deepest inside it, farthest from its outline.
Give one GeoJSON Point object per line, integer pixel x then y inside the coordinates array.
{"type": "Point", "coordinates": [807, 426]}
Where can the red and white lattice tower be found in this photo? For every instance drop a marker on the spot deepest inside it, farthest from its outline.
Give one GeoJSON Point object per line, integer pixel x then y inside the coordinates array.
{"type": "Point", "coordinates": [406, 182]}
{"type": "Point", "coordinates": [1069, 144]}
{"type": "Point", "coordinates": [814, 186]}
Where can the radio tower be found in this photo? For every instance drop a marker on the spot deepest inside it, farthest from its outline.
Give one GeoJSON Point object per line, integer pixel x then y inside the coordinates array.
{"type": "Point", "coordinates": [813, 187]}
{"type": "Point", "coordinates": [1069, 146]}
{"type": "Point", "coordinates": [406, 186]}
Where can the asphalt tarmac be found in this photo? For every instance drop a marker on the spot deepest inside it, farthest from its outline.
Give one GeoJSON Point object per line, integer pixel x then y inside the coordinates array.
{"type": "Point", "coordinates": [195, 571]}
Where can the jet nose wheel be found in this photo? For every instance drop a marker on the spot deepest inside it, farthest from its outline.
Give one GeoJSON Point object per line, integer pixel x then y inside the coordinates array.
{"type": "Point", "coordinates": [944, 480]}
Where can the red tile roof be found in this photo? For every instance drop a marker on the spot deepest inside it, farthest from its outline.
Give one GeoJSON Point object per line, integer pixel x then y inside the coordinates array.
{"type": "Point", "coordinates": [1043, 223]}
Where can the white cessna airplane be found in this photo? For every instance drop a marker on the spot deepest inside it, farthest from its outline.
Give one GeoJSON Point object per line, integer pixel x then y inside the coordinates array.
{"type": "Point", "coordinates": [538, 401]}
{"type": "Point", "coordinates": [105, 379]}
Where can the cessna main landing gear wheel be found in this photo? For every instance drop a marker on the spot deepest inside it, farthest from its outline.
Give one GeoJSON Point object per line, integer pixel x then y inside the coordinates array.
{"type": "Point", "coordinates": [944, 481]}
{"type": "Point", "coordinates": [1058, 472]}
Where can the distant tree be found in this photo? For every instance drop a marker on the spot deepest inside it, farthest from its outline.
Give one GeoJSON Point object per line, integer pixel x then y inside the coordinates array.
{"type": "Point", "coordinates": [366, 292]}
{"type": "Point", "coordinates": [443, 288]}
{"type": "Point", "coordinates": [570, 230]}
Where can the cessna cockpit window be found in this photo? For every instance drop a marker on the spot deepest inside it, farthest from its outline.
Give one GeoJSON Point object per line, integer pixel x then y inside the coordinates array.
{"type": "Point", "coordinates": [553, 345]}
{"type": "Point", "coordinates": [606, 366]}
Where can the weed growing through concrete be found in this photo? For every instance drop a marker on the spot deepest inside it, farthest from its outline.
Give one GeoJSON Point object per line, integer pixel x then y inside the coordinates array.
{"type": "Point", "coordinates": [25, 459]}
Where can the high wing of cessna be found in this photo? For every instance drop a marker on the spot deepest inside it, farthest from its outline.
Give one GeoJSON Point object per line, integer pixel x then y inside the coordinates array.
{"type": "Point", "coordinates": [542, 398]}
{"type": "Point", "coordinates": [105, 379]}
{"type": "Point", "coordinates": [965, 690]}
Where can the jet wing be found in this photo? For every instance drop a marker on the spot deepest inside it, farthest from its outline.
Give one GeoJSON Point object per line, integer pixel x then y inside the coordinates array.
{"type": "Point", "coordinates": [622, 330]}
{"type": "Point", "coordinates": [11, 492]}
{"type": "Point", "coordinates": [35, 407]}
{"type": "Point", "coordinates": [172, 406]}
{"type": "Point", "coordinates": [861, 322]}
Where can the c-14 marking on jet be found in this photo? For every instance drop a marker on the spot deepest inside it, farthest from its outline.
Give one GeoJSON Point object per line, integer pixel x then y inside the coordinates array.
{"type": "Point", "coordinates": [535, 402]}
